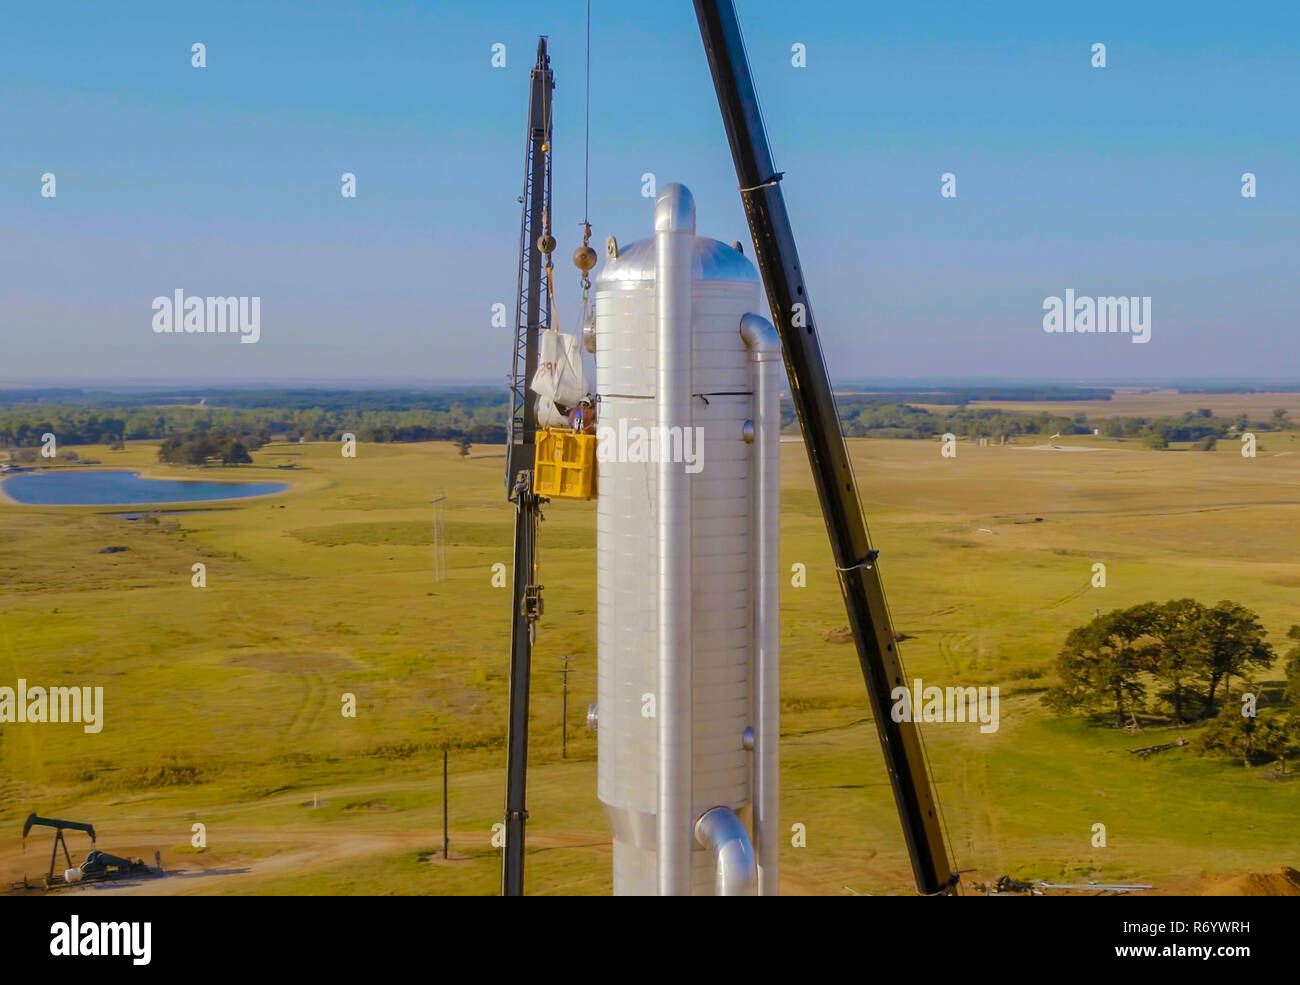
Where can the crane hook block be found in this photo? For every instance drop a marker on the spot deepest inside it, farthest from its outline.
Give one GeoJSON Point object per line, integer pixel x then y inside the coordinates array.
{"type": "Point", "coordinates": [584, 258]}
{"type": "Point", "coordinates": [530, 606]}
{"type": "Point", "coordinates": [546, 243]}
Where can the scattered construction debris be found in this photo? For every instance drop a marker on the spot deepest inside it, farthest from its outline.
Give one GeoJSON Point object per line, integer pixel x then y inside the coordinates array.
{"type": "Point", "coordinates": [1097, 887]}
{"type": "Point", "coordinates": [1146, 751]}
{"type": "Point", "coordinates": [1007, 886]}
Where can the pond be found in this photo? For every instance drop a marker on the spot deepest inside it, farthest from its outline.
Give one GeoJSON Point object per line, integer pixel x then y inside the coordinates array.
{"type": "Point", "coordinates": [122, 488]}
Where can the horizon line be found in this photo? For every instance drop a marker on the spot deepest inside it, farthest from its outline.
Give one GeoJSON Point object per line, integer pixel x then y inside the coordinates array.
{"type": "Point", "coordinates": [378, 382]}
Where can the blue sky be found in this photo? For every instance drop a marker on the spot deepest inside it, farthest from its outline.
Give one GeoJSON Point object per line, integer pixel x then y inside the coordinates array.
{"type": "Point", "coordinates": [225, 180]}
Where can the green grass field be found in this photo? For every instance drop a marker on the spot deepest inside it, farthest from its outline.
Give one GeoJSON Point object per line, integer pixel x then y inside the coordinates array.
{"type": "Point", "coordinates": [222, 704]}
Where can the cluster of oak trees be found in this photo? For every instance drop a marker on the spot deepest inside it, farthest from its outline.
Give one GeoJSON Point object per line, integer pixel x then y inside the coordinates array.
{"type": "Point", "coordinates": [197, 447]}
{"type": "Point", "coordinates": [1178, 659]}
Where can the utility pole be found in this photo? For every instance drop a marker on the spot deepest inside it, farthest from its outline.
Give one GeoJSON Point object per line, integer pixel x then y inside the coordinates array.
{"type": "Point", "coordinates": [445, 840]}
{"type": "Point", "coordinates": [564, 709]}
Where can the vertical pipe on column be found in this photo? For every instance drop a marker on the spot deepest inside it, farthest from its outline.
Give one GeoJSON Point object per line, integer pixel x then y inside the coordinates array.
{"type": "Point", "coordinates": [765, 367]}
{"type": "Point", "coordinates": [674, 251]}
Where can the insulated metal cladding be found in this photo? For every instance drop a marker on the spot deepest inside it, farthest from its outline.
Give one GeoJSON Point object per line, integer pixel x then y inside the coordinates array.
{"type": "Point", "coordinates": [688, 432]}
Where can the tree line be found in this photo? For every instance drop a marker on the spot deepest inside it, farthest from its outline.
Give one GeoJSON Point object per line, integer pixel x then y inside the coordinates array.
{"type": "Point", "coordinates": [480, 417]}
{"type": "Point", "coordinates": [871, 416]}
{"type": "Point", "coordinates": [21, 426]}
{"type": "Point", "coordinates": [257, 398]}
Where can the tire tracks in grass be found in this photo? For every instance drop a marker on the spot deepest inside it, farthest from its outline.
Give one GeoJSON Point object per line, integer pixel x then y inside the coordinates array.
{"type": "Point", "coordinates": [952, 646]}
{"type": "Point", "coordinates": [984, 826]}
{"type": "Point", "coordinates": [24, 766]}
{"type": "Point", "coordinates": [1157, 510]}
{"type": "Point", "coordinates": [310, 709]}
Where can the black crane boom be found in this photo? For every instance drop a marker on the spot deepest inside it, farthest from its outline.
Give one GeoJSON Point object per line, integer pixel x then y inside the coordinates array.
{"type": "Point", "coordinates": [533, 314]}
{"type": "Point", "coordinates": [860, 583]}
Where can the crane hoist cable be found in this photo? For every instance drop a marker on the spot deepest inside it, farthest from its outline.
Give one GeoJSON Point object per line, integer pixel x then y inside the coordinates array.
{"type": "Point", "coordinates": [586, 136]}
{"type": "Point", "coordinates": [584, 257]}
{"type": "Point", "coordinates": [546, 242]}
{"type": "Point", "coordinates": [949, 848]}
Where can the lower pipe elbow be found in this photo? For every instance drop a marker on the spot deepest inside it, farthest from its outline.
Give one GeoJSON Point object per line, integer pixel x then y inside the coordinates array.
{"type": "Point", "coordinates": [721, 832]}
